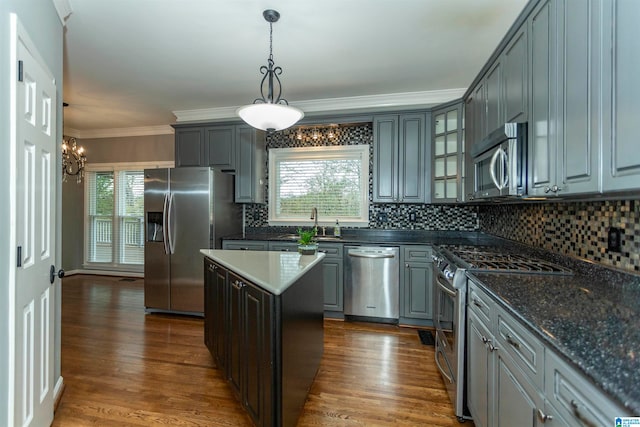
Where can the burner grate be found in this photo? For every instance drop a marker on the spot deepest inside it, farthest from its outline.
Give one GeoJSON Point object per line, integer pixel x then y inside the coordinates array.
{"type": "Point", "coordinates": [497, 261]}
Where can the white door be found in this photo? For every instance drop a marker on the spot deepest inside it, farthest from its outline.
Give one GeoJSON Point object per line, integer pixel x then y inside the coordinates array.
{"type": "Point", "coordinates": [36, 168]}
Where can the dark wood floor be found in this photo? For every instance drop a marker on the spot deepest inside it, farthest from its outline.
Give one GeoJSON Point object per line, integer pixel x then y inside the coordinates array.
{"type": "Point", "coordinates": [124, 368]}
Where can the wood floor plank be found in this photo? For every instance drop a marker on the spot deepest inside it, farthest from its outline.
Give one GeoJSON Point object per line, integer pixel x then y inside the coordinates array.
{"type": "Point", "coordinates": [123, 367]}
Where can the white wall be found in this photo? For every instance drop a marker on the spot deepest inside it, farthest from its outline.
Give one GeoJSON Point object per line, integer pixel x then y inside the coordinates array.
{"type": "Point", "coordinates": [41, 22]}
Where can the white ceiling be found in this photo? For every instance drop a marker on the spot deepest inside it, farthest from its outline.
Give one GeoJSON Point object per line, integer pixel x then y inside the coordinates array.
{"type": "Point", "coordinates": [132, 64]}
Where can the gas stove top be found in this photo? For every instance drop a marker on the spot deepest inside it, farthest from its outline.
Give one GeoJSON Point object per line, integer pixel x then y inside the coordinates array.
{"type": "Point", "coordinates": [493, 259]}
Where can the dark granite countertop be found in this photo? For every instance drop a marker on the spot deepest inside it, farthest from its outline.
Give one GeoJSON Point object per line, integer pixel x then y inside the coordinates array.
{"type": "Point", "coordinates": [398, 237]}
{"type": "Point", "coordinates": [592, 319]}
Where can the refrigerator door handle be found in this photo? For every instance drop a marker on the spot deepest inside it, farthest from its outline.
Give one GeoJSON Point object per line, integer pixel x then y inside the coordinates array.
{"type": "Point", "coordinates": [165, 224]}
{"type": "Point", "coordinates": [170, 231]}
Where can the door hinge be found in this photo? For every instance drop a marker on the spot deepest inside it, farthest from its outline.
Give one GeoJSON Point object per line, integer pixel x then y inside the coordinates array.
{"type": "Point", "coordinates": [20, 71]}
{"type": "Point", "coordinates": [19, 256]}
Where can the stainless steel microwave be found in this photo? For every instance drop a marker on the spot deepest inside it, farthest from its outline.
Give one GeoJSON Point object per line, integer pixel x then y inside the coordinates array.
{"type": "Point", "coordinates": [500, 163]}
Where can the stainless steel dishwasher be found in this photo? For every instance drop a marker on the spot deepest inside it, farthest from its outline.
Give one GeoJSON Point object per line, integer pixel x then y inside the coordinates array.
{"type": "Point", "coordinates": [372, 281]}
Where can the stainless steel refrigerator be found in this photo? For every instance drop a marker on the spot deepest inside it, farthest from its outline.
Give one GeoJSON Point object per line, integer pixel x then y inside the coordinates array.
{"type": "Point", "coordinates": [186, 209]}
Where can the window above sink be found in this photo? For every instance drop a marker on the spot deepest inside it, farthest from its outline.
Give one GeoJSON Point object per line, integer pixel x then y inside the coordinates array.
{"type": "Point", "coordinates": [335, 180]}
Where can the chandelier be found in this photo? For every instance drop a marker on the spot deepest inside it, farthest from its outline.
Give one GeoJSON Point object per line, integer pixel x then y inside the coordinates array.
{"type": "Point", "coordinates": [73, 160]}
{"type": "Point", "coordinates": [270, 112]}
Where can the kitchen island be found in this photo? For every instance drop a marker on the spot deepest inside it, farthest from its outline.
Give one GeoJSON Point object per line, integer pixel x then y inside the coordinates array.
{"type": "Point", "coordinates": [264, 328]}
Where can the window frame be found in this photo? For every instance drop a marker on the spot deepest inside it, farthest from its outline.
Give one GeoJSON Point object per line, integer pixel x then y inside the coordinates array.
{"type": "Point", "coordinates": [114, 265]}
{"type": "Point", "coordinates": [337, 152]}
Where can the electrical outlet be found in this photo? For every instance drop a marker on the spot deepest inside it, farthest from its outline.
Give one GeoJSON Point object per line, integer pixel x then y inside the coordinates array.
{"type": "Point", "coordinates": [614, 241]}
{"type": "Point", "coordinates": [382, 217]}
{"type": "Point", "coordinates": [412, 216]}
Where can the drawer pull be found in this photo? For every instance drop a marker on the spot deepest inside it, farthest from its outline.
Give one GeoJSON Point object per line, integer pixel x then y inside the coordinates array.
{"type": "Point", "coordinates": [212, 267]}
{"type": "Point", "coordinates": [577, 411]}
{"type": "Point", "coordinates": [514, 343]}
{"type": "Point", "coordinates": [477, 303]}
{"type": "Point", "coordinates": [238, 284]}
{"type": "Point", "coordinates": [492, 347]}
{"type": "Point", "coordinates": [544, 417]}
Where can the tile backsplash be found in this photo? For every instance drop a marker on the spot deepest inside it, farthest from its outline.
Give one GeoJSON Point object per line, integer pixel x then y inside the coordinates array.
{"type": "Point", "coordinates": [390, 216]}
{"type": "Point", "coordinates": [577, 229]}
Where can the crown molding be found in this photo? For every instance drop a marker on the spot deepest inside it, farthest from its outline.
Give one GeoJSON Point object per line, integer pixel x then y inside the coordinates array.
{"type": "Point", "coordinates": [120, 132]}
{"type": "Point", "coordinates": [399, 100]}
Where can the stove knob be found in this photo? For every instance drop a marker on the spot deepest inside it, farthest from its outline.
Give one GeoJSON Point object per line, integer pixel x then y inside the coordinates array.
{"type": "Point", "coordinates": [448, 274]}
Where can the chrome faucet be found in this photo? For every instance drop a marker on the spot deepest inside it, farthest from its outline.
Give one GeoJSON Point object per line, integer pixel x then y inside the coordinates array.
{"type": "Point", "coordinates": [314, 216]}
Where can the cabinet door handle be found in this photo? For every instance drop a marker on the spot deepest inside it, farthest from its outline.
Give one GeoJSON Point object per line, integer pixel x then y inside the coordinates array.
{"type": "Point", "coordinates": [492, 347]}
{"type": "Point", "coordinates": [477, 303]}
{"type": "Point", "coordinates": [237, 284]}
{"type": "Point", "coordinates": [513, 342]}
{"type": "Point", "coordinates": [544, 417]}
{"type": "Point", "coordinates": [577, 411]}
{"type": "Point", "coordinates": [212, 267]}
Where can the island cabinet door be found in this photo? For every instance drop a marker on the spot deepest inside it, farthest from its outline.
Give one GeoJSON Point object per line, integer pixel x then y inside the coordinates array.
{"type": "Point", "coordinates": [258, 379]}
{"type": "Point", "coordinates": [215, 312]}
{"type": "Point", "coordinates": [250, 348]}
{"type": "Point", "coordinates": [235, 329]}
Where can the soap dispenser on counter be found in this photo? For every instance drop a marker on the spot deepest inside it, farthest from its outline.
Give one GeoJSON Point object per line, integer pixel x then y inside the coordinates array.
{"type": "Point", "coordinates": [336, 229]}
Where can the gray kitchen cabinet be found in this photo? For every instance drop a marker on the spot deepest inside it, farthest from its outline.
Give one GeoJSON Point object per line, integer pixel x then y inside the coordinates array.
{"type": "Point", "coordinates": [447, 153]}
{"type": "Point", "coordinates": [283, 246]}
{"type": "Point", "coordinates": [513, 379]}
{"type": "Point", "coordinates": [574, 398]}
{"type": "Point", "coordinates": [220, 147]}
{"type": "Point", "coordinates": [190, 146]}
{"type": "Point", "coordinates": [230, 148]}
{"type": "Point", "coordinates": [469, 132]}
{"type": "Point", "coordinates": [620, 150]}
{"type": "Point", "coordinates": [416, 286]}
{"type": "Point", "coordinates": [250, 165]}
{"type": "Point", "coordinates": [499, 392]}
{"type": "Point", "coordinates": [493, 87]}
{"type": "Point", "coordinates": [332, 272]}
{"type": "Point", "coordinates": [203, 145]}
{"type": "Point", "coordinates": [567, 102]}
{"type": "Point", "coordinates": [332, 277]}
{"type": "Point", "coordinates": [400, 159]}
{"type": "Point", "coordinates": [480, 367]}
{"type": "Point", "coordinates": [542, 132]}
{"type": "Point", "coordinates": [515, 78]}
{"type": "Point", "coordinates": [479, 112]}
{"type": "Point", "coordinates": [245, 245]}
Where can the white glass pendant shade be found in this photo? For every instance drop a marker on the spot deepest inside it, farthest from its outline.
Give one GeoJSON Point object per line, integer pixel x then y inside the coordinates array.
{"type": "Point", "coordinates": [270, 117]}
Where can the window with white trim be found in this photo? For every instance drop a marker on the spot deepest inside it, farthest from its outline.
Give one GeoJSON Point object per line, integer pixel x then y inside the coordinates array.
{"type": "Point", "coordinates": [114, 215]}
{"type": "Point", "coordinates": [334, 179]}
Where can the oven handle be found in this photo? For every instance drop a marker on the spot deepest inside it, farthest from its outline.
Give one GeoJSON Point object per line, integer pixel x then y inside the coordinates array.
{"type": "Point", "coordinates": [446, 289]}
{"type": "Point", "coordinates": [442, 371]}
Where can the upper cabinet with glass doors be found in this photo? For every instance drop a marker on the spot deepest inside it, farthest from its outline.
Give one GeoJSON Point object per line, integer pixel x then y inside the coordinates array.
{"type": "Point", "coordinates": [448, 153]}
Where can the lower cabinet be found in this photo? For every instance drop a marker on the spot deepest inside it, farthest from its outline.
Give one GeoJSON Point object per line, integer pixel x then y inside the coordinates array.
{"type": "Point", "coordinates": [332, 273]}
{"type": "Point", "coordinates": [512, 379]}
{"type": "Point", "coordinates": [416, 286]}
{"type": "Point", "coordinates": [267, 346]}
{"type": "Point", "coordinates": [238, 318]}
{"type": "Point", "coordinates": [250, 350]}
{"type": "Point", "coordinates": [245, 245]}
{"type": "Point", "coordinates": [333, 277]}
{"type": "Point", "coordinates": [215, 297]}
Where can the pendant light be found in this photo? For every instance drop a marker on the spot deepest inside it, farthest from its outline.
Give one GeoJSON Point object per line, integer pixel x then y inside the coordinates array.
{"type": "Point", "coordinates": [270, 112]}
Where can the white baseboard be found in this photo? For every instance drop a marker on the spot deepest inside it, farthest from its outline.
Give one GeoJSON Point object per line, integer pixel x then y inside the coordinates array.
{"type": "Point", "coordinates": [57, 392]}
{"type": "Point", "coordinates": [104, 273]}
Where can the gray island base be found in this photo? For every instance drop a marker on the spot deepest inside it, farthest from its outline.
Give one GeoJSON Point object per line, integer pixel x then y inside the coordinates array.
{"type": "Point", "coordinates": [264, 328]}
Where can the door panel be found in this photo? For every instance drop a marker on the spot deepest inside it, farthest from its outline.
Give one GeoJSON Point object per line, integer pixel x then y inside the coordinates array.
{"type": "Point", "coordinates": [35, 223]}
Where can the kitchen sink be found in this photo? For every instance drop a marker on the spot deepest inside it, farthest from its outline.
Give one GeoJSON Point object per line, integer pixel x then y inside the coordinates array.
{"type": "Point", "coordinates": [318, 238]}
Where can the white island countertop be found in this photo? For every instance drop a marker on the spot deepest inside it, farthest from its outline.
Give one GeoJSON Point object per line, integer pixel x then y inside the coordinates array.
{"type": "Point", "coordinates": [272, 271]}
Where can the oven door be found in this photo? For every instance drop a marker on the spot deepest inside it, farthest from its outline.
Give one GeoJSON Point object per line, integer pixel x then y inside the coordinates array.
{"type": "Point", "coordinates": [450, 336]}
{"type": "Point", "coordinates": [446, 300]}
